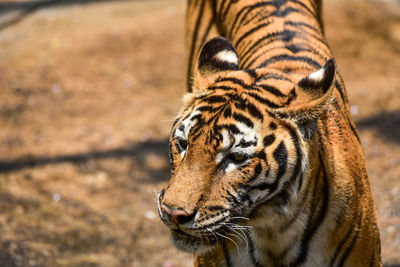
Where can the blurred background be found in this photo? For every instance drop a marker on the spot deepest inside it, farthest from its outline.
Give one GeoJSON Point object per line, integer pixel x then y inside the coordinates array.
{"type": "Point", "coordinates": [88, 92]}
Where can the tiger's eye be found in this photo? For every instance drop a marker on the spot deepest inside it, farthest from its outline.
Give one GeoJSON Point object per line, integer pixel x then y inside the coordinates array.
{"type": "Point", "coordinates": [183, 144]}
{"type": "Point", "coordinates": [238, 157]}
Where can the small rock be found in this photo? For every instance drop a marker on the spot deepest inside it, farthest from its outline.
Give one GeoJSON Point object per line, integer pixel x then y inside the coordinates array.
{"type": "Point", "coordinates": [390, 229]}
{"type": "Point", "coordinates": [56, 88]}
{"type": "Point", "coordinates": [394, 191]}
{"type": "Point", "coordinates": [56, 197]}
{"type": "Point", "coordinates": [354, 110]}
{"type": "Point", "coordinates": [150, 215]}
{"type": "Point", "coordinates": [144, 137]}
{"type": "Point", "coordinates": [168, 264]}
{"type": "Point", "coordinates": [393, 162]}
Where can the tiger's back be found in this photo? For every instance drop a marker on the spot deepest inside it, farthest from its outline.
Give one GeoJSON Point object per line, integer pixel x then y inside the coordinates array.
{"type": "Point", "coordinates": [268, 169]}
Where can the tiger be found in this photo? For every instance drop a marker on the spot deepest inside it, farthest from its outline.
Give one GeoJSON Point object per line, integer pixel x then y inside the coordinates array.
{"type": "Point", "coordinates": [267, 167]}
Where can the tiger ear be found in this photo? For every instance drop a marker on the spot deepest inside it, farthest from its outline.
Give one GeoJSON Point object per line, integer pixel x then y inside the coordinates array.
{"type": "Point", "coordinates": [216, 55]}
{"type": "Point", "coordinates": [310, 98]}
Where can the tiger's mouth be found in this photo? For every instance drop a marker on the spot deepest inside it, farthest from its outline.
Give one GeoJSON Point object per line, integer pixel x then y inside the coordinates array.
{"type": "Point", "coordinates": [193, 244]}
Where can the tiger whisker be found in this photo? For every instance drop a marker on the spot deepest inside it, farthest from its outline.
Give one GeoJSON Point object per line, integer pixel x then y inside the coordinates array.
{"type": "Point", "coordinates": [234, 234]}
{"type": "Point", "coordinates": [216, 237]}
{"type": "Point", "coordinates": [238, 217]}
{"type": "Point", "coordinates": [238, 225]}
{"type": "Point", "coordinates": [223, 236]}
{"type": "Point", "coordinates": [243, 237]}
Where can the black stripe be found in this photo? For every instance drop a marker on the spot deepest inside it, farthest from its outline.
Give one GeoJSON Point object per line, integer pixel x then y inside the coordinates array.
{"type": "Point", "coordinates": [304, 6]}
{"type": "Point", "coordinates": [275, 77]}
{"type": "Point", "coordinates": [252, 253]}
{"type": "Point", "coordinates": [299, 210]}
{"type": "Point", "coordinates": [249, 32]}
{"type": "Point", "coordinates": [349, 122]}
{"type": "Point", "coordinates": [353, 240]}
{"type": "Point", "coordinates": [297, 24]}
{"type": "Point", "coordinates": [175, 122]}
{"type": "Point", "coordinates": [257, 171]}
{"type": "Point", "coordinates": [316, 215]}
{"type": "Point", "coordinates": [372, 261]}
{"type": "Point", "coordinates": [196, 117]}
{"type": "Point", "coordinates": [215, 208]}
{"type": "Point", "coordinates": [280, 155]}
{"type": "Point", "coordinates": [215, 99]}
{"type": "Point", "coordinates": [285, 12]}
{"type": "Point", "coordinates": [282, 13]}
{"type": "Point", "coordinates": [243, 119]}
{"type": "Point", "coordinates": [340, 89]}
{"type": "Point", "coordinates": [263, 100]}
{"type": "Point", "coordinates": [291, 96]}
{"type": "Point", "coordinates": [227, 112]}
{"type": "Point", "coordinates": [221, 87]}
{"type": "Point", "coordinates": [269, 139]}
{"type": "Point", "coordinates": [353, 129]}
{"type": "Point", "coordinates": [232, 198]}
{"type": "Point", "coordinates": [244, 144]}
{"type": "Point", "coordinates": [296, 48]}
{"type": "Point", "coordinates": [299, 159]}
{"type": "Point", "coordinates": [171, 159]}
{"type": "Point", "coordinates": [273, 90]}
{"type": "Point", "coordinates": [210, 23]}
{"type": "Point", "coordinates": [341, 244]}
{"type": "Point", "coordinates": [233, 80]}
{"type": "Point", "coordinates": [270, 39]}
{"type": "Point", "coordinates": [290, 58]}
{"type": "Point", "coordinates": [300, 182]}
{"type": "Point", "coordinates": [193, 44]}
{"type": "Point", "coordinates": [220, 7]}
{"type": "Point", "coordinates": [251, 72]}
{"type": "Point", "coordinates": [254, 111]}
{"type": "Point", "coordinates": [249, 9]}
{"type": "Point", "coordinates": [227, 257]}
{"type": "Point", "coordinates": [262, 156]}
{"type": "Point", "coordinates": [231, 127]}
{"type": "Point", "coordinates": [210, 109]}
{"type": "Point", "coordinates": [226, 11]}
{"type": "Point", "coordinates": [196, 132]}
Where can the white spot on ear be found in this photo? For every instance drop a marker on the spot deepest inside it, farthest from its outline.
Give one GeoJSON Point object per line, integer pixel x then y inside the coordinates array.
{"type": "Point", "coordinates": [228, 56]}
{"type": "Point", "coordinates": [317, 75]}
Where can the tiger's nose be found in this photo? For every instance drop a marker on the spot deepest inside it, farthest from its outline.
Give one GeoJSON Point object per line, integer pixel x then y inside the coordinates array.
{"type": "Point", "coordinates": [178, 216]}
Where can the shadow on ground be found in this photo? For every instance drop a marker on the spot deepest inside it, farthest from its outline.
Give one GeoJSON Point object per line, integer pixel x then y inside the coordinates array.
{"type": "Point", "coordinates": [26, 8]}
{"type": "Point", "coordinates": [386, 123]}
{"type": "Point", "coordinates": [136, 151]}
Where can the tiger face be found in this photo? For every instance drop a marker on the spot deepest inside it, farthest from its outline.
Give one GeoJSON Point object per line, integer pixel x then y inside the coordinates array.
{"type": "Point", "coordinates": [238, 149]}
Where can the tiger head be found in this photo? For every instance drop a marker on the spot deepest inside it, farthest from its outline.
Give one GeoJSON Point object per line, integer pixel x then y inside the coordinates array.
{"type": "Point", "coordinates": [239, 147]}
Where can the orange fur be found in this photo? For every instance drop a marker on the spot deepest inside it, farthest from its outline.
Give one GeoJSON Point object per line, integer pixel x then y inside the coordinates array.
{"type": "Point", "coordinates": [267, 165]}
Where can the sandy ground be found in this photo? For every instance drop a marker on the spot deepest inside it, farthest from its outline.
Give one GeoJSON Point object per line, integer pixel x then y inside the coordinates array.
{"type": "Point", "coordinates": [87, 95]}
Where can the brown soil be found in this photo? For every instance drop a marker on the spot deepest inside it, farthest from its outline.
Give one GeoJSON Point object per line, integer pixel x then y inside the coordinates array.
{"type": "Point", "coordinates": [87, 95]}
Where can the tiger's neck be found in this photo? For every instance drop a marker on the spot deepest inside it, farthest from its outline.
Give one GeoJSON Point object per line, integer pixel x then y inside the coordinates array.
{"type": "Point", "coordinates": [267, 33]}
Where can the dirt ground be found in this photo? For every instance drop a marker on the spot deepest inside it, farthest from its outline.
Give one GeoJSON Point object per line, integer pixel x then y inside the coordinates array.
{"type": "Point", "coordinates": [87, 94]}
